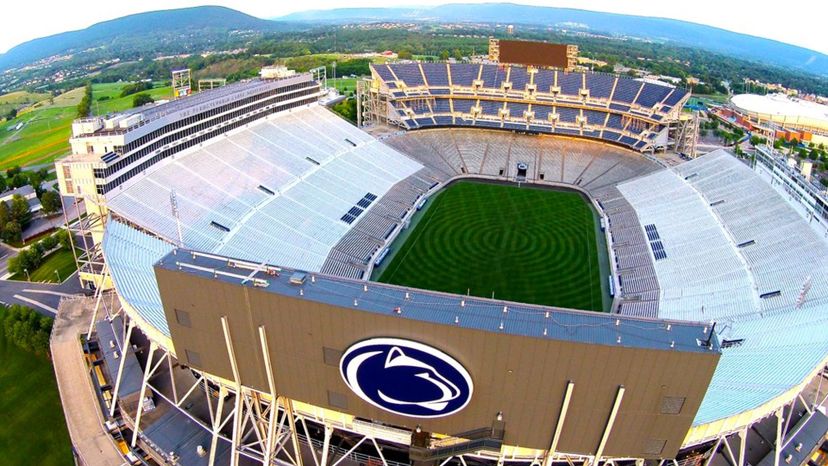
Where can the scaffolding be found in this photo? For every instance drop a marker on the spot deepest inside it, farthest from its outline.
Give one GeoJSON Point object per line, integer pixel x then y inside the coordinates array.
{"type": "Point", "coordinates": [684, 132]}
{"type": "Point", "coordinates": [374, 106]}
{"type": "Point", "coordinates": [85, 232]}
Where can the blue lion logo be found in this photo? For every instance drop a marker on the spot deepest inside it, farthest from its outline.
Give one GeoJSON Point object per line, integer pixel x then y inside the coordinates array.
{"type": "Point", "coordinates": [406, 377]}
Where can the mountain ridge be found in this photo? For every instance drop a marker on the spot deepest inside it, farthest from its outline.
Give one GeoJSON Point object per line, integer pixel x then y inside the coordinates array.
{"type": "Point", "coordinates": [200, 17]}
{"type": "Point", "coordinates": [665, 29]}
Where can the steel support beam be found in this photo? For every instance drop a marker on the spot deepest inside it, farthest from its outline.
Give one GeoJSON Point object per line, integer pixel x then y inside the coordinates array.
{"type": "Point", "coordinates": [294, 434]}
{"type": "Point", "coordinates": [742, 446]}
{"type": "Point", "coordinates": [570, 385]}
{"type": "Point", "coordinates": [608, 429]}
{"type": "Point", "coordinates": [326, 446]}
{"type": "Point", "coordinates": [216, 425]}
{"type": "Point", "coordinates": [237, 412]}
{"type": "Point", "coordinates": [124, 344]}
{"type": "Point", "coordinates": [777, 446]}
{"type": "Point", "coordinates": [143, 392]}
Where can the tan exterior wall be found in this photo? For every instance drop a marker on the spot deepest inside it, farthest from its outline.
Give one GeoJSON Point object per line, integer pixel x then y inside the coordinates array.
{"type": "Point", "coordinates": [524, 378]}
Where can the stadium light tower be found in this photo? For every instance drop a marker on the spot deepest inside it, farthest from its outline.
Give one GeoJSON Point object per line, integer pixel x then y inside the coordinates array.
{"type": "Point", "coordinates": [181, 83]}
{"type": "Point", "coordinates": [174, 209]}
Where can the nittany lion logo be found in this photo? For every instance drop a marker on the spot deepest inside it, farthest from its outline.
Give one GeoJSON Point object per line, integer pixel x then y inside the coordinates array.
{"type": "Point", "coordinates": [406, 377]}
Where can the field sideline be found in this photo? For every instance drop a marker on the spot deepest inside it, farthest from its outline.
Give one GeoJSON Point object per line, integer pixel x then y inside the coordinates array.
{"type": "Point", "coordinates": [526, 244]}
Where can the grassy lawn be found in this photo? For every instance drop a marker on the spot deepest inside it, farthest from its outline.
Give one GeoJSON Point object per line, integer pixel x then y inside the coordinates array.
{"type": "Point", "coordinates": [524, 244]}
{"type": "Point", "coordinates": [62, 260]}
{"type": "Point", "coordinates": [715, 98]}
{"type": "Point", "coordinates": [345, 85]}
{"type": "Point", "coordinates": [19, 98]}
{"type": "Point", "coordinates": [43, 137]}
{"type": "Point", "coordinates": [33, 430]}
{"type": "Point", "coordinates": [47, 126]}
{"type": "Point", "coordinates": [117, 104]}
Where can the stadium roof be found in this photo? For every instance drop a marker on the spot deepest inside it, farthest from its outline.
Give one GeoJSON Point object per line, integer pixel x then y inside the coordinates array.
{"type": "Point", "coordinates": [490, 315]}
{"type": "Point", "coordinates": [783, 109]}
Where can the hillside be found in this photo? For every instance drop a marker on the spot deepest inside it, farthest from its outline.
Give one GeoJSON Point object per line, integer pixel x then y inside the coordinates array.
{"type": "Point", "coordinates": [661, 29]}
{"type": "Point", "coordinates": [151, 30]}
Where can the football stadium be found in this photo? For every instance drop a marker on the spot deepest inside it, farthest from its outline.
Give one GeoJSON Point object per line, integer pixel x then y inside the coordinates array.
{"type": "Point", "coordinates": [496, 266]}
{"type": "Point", "coordinates": [781, 116]}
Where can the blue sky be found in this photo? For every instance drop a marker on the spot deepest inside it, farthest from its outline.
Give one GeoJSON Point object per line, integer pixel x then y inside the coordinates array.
{"type": "Point", "coordinates": [798, 22]}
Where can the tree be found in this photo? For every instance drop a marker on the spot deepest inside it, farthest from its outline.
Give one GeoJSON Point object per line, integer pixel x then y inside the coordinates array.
{"type": "Point", "coordinates": [64, 239]}
{"type": "Point", "coordinates": [3, 185]}
{"type": "Point", "coordinates": [12, 114]}
{"type": "Point", "coordinates": [50, 201]}
{"type": "Point", "coordinates": [26, 329]}
{"type": "Point", "coordinates": [444, 55]}
{"type": "Point", "coordinates": [49, 242]}
{"type": "Point", "coordinates": [85, 105]}
{"type": "Point", "coordinates": [20, 210]}
{"type": "Point", "coordinates": [141, 99]}
{"type": "Point", "coordinates": [457, 54]}
{"type": "Point", "coordinates": [19, 180]}
{"type": "Point", "coordinates": [10, 172]}
{"type": "Point", "coordinates": [135, 87]}
{"type": "Point", "coordinates": [12, 233]}
{"type": "Point", "coordinates": [5, 214]}
{"type": "Point", "coordinates": [347, 108]}
{"type": "Point", "coordinates": [404, 54]}
{"type": "Point", "coordinates": [824, 182]}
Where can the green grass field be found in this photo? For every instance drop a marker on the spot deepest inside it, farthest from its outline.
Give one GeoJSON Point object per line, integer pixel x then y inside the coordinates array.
{"type": "Point", "coordinates": [62, 260]}
{"type": "Point", "coordinates": [43, 137]}
{"type": "Point", "coordinates": [524, 244]}
{"type": "Point", "coordinates": [344, 85]}
{"type": "Point", "coordinates": [18, 99]}
{"type": "Point", "coordinates": [114, 103]}
{"type": "Point", "coordinates": [33, 430]}
{"type": "Point", "coordinates": [48, 125]}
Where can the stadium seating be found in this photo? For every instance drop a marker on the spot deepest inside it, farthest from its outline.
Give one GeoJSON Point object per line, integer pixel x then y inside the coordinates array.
{"type": "Point", "coordinates": [267, 193]}
{"type": "Point", "coordinates": [738, 254]}
{"type": "Point", "coordinates": [435, 88]}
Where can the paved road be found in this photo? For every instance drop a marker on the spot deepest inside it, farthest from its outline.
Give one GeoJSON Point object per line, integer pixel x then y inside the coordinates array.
{"type": "Point", "coordinates": [6, 253]}
{"type": "Point", "coordinates": [92, 444]}
{"type": "Point", "coordinates": [42, 297]}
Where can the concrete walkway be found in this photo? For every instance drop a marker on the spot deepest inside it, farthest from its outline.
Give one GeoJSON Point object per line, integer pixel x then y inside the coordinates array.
{"type": "Point", "coordinates": [92, 444]}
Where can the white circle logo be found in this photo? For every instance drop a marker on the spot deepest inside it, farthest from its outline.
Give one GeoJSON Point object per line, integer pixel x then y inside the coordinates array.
{"type": "Point", "coordinates": [406, 377]}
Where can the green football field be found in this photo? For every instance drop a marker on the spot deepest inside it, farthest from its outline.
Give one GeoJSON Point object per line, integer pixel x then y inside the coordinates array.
{"type": "Point", "coordinates": [524, 244]}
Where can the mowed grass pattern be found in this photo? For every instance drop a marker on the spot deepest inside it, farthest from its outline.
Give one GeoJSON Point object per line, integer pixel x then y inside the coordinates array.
{"type": "Point", "coordinates": [525, 244]}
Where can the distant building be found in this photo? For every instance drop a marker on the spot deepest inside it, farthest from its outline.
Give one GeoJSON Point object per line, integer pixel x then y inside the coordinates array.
{"type": "Point", "coordinates": [28, 193]}
{"type": "Point", "coordinates": [780, 116]}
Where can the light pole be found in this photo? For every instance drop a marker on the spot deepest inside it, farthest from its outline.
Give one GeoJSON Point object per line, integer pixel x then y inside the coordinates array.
{"type": "Point", "coordinates": [28, 278]}
{"type": "Point", "coordinates": [58, 275]}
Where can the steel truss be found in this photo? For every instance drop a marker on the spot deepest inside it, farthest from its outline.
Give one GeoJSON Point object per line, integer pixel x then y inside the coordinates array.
{"type": "Point", "coordinates": [275, 433]}
{"type": "Point", "coordinates": [267, 428]}
{"type": "Point", "coordinates": [87, 252]}
{"type": "Point", "coordinates": [734, 444]}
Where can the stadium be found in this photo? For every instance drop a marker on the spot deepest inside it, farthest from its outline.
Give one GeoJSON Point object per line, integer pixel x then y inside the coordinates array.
{"type": "Point", "coordinates": [494, 267]}
{"type": "Point", "coordinates": [778, 115]}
